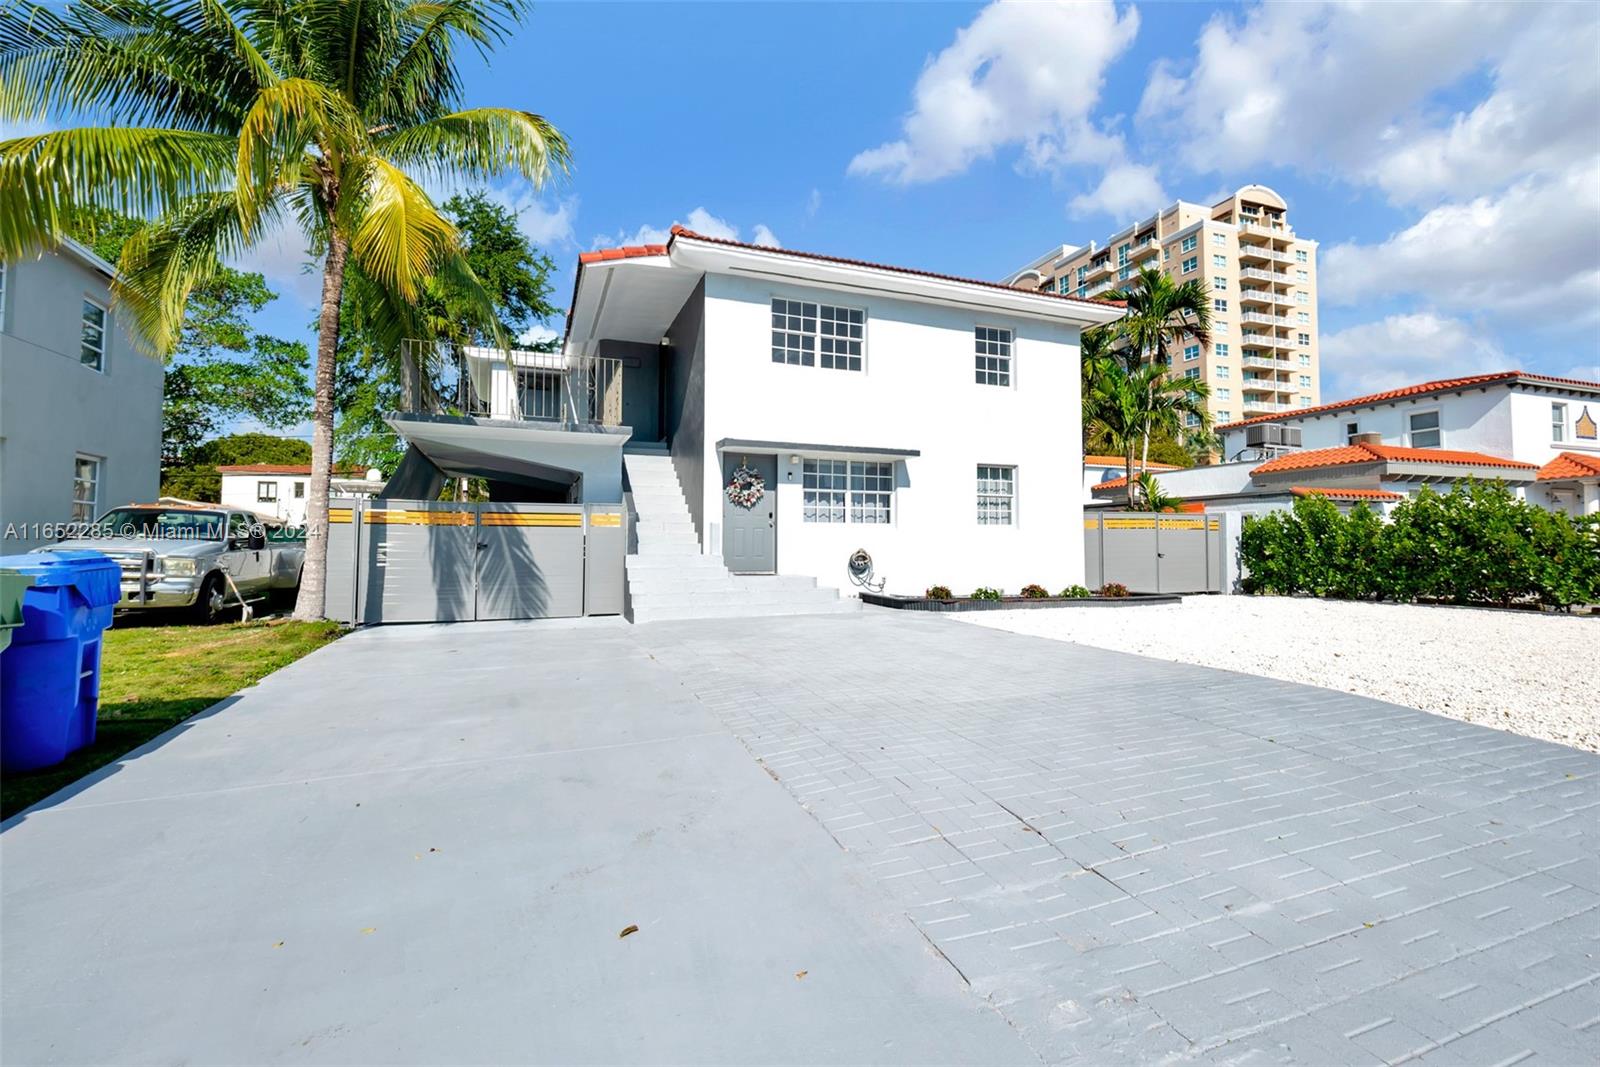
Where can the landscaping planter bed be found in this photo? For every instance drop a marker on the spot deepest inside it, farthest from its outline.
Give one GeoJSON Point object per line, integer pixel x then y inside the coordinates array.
{"type": "Point", "coordinates": [1009, 603]}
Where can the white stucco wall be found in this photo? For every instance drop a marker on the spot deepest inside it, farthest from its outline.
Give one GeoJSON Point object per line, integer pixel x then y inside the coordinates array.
{"type": "Point", "coordinates": [917, 391]}
{"type": "Point", "coordinates": [239, 491]}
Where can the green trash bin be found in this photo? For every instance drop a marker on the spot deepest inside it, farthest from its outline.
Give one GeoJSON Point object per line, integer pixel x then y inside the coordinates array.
{"type": "Point", "coordinates": [12, 585]}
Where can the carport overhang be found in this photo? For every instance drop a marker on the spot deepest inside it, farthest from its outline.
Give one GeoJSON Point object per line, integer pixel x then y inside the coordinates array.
{"type": "Point", "coordinates": [584, 460]}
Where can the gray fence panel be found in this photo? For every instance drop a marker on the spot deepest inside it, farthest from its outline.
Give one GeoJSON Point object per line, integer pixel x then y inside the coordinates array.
{"type": "Point", "coordinates": [1185, 556]}
{"type": "Point", "coordinates": [1129, 552]}
{"type": "Point", "coordinates": [604, 564]}
{"type": "Point", "coordinates": [344, 539]}
{"type": "Point", "coordinates": [530, 561]}
{"type": "Point", "coordinates": [417, 561]}
{"type": "Point", "coordinates": [1151, 554]}
{"type": "Point", "coordinates": [1093, 552]}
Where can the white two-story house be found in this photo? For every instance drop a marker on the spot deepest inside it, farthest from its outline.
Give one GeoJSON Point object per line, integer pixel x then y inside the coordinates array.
{"type": "Point", "coordinates": [803, 408]}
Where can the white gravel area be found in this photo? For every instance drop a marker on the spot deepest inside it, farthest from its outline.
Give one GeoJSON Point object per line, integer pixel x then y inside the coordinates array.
{"type": "Point", "coordinates": [1536, 675]}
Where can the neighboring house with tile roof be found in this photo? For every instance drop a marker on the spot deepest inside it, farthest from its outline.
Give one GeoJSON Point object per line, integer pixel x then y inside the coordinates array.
{"type": "Point", "coordinates": [927, 419]}
{"type": "Point", "coordinates": [279, 489]}
{"type": "Point", "coordinates": [1098, 469]}
{"type": "Point", "coordinates": [1570, 483]}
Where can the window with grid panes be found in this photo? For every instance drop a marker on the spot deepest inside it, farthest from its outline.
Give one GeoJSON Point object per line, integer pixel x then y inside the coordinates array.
{"type": "Point", "coordinates": [837, 490]}
{"type": "Point", "coordinates": [992, 347]}
{"type": "Point", "coordinates": [807, 334]}
{"type": "Point", "coordinates": [871, 490]}
{"type": "Point", "coordinates": [997, 487]}
{"type": "Point", "coordinates": [826, 483]}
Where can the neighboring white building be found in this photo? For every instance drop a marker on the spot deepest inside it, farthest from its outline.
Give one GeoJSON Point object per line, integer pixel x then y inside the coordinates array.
{"type": "Point", "coordinates": [1098, 469]}
{"type": "Point", "coordinates": [80, 406]}
{"type": "Point", "coordinates": [931, 421]}
{"type": "Point", "coordinates": [279, 489]}
{"type": "Point", "coordinates": [1537, 433]}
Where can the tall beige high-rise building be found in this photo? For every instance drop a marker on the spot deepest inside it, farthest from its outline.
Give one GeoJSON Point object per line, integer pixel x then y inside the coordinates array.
{"type": "Point", "coordinates": [1263, 355]}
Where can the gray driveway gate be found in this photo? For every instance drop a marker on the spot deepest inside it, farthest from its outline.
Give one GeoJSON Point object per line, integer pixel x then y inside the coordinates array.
{"type": "Point", "coordinates": [431, 561]}
{"type": "Point", "coordinates": [1159, 553]}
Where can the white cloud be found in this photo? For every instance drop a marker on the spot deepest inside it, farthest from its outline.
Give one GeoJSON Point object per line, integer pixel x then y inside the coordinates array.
{"type": "Point", "coordinates": [538, 333]}
{"type": "Point", "coordinates": [1127, 189]}
{"type": "Point", "coordinates": [1534, 248]}
{"type": "Point", "coordinates": [282, 257]}
{"type": "Point", "coordinates": [1355, 89]}
{"type": "Point", "coordinates": [1405, 349]}
{"type": "Point", "coordinates": [1027, 75]}
{"type": "Point", "coordinates": [700, 221]}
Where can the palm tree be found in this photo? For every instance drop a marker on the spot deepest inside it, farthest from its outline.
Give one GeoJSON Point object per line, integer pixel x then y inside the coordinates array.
{"type": "Point", "coordinates": [1128, 404]}
{"type": "Point", "coordinates": [221, 119]}
{"type": "Point", "coordinates": [1161, 315]}
{"type": "Point", "coordinates": [1153, 497]}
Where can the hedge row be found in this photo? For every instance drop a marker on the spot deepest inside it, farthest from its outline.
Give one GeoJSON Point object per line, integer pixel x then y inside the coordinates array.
{"type": "Point", "coordinates": [1477, 544]}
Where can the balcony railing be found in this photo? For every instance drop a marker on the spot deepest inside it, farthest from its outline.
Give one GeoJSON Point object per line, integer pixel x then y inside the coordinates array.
{"type": "Point", "coordinates": [1260, 275]}
{"type": "Point", "coordinates": [1263, 318]}
{"type": "Point", "coordinates": [1259, 229]}
{"type": "Point", "coordinates": [1264, 363]}
{"type": "Point", "coordinates": [511, 384]}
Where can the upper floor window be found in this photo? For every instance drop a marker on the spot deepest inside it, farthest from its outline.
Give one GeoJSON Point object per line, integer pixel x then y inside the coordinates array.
{"type": "Point", "coordinates": [997, 491]}
{"type": "Point", "coordinates": [1305, 381]}
{"type": "Point", "coordinates": [1193, 373]}
{"type": "Point", "coordinates": [1301, 275]}
{"type": "Point", "coordinates": [1302, 297]}
{"type": "Point", "coordinates": [1219, 239]}
{"type": "Point", "coordinates": [1219, 305]}
{"type": "Point", "coordinates": [1301, 256]}
{"type": "Point", "coordinates": [1222, 353]}
{"type": "Point", "coordinates": [1304, 339]}
{"type": "Point", "coordinates": [1191, 264]}
{"type": "Point", "coordinates": [1191, 352]}
{"type": "Point", "coordinates": [1352, 430]}
{"type": "Point", "coordinates": [1224, 393]}
{"type": "Point", "coordinates": [1219, 326]}
{"type": "Point", "coordinates": [1305, 401]}
{"type": "Point", "coordinates": [1122, 255]}
{"type": "Point", "coordinates": [806, 334]}
{"type": "Point", "coordinates": [1219, 282]}
{"type": "Point", "coordinates": [838, 490]}
{"type": "Point", "coordinates": [267, 492]}
{"type": "Point", "coordinates": [1558, 422]}
{"type": "Point", "coordinates": [1219, 260]}
{"type": "Point", "coordinates": [1423, 429]}
{"type": "Point", "coordinates": [1305, 359]}
{"type": "Point", "coordinates": [1166, 254]}
{"type": "Point", "coordinates": [85, 488]}
{"type": "Point", "coordinates": [1190, 243]}
{"type": "Point", "coordinates": [1083, 272]}
{"type": "Point", "coordinates": [299, 490]}
{"type": "Point", "coordinates": [1302, 316]}
{"type": "Point", "coordinates": [993, 355]}
{"type": "Point", "coordinates": [1222, 415]}
{"type": "Point", "coordinates": [92, 352]}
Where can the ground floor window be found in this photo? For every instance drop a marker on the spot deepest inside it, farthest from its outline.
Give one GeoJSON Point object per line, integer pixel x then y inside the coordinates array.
{"type": "Point", "coordinates": [997, 488]}
{"type": "Point", "coordinates": [85, 488]}
{"type": "Point", "coordinates": [838, 490]}
{"type": "Point", "coordinates": [266, 492]}
{"type": "Point", "coordinates": [299, 490]}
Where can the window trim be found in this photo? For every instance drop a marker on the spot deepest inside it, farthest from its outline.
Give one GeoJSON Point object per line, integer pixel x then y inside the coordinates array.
{"type": "Point", "coordinates": [1010, 371]}
{"type": "Point", "coordinates": [1438, 428]}
{"type": "Point", "coordinates": [263, 486]}
{"type": "Point", "coordinates": [1558, 422]}
{"type": "Point", "coordinates": [979, 495]}
{"type": "Point", "coordinates": [94, 484]}
{"type": "Point", "coordinates": [1352, 430]}
{"type": "Point", "coordinates": [105, 333]}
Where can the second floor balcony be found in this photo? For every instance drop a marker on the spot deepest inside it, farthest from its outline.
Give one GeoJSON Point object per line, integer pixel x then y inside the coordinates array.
{"type": "Point", "coordinates": [517, 385]}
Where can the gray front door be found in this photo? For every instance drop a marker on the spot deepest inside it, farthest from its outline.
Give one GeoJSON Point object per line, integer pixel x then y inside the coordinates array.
{"type": "Point", "coordinates": [750, 534]}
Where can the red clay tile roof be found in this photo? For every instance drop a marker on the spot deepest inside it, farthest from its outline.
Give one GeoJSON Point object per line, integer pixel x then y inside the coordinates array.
{"type": "Point", "coordinates": [1570, 465]}
{"type": "Point", "coordinates": [1117, 461]}
{"type": "Point", "coordinates": [626, 252]}
{"type": "Point", "coordinates": [683, 231]}
{"type": "Point", "coordinates": [1345, 494]}
{"type": "Point", "coordinates": [1344, 455]}
{"type": "Point", "coordinates": [1443, 385]}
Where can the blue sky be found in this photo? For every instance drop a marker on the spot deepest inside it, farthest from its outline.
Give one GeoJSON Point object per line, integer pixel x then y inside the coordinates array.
{"type": "Point", "coordinates": [1445, 156]}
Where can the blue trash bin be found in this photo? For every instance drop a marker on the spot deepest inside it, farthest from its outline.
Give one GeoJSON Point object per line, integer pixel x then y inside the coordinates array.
{"type": "Point", "coordinates": [50, 673]}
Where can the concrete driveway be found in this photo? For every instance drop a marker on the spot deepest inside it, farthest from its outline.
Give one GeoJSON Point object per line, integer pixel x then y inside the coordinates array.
{"type": "Point", "coordinates": [874, 838]}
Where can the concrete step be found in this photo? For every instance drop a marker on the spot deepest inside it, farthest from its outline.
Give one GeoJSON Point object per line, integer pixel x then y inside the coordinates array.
{"type": "Point", "coordinates": [773, 597]}
{"type": "Point", "coordinates": [669, 547]}
{"type": "Point", "coordinates": [646, 448]}
{"type": "Point", "coordinates": [695, 582]}
{"type": "Point", "coordinates": [736, 611]}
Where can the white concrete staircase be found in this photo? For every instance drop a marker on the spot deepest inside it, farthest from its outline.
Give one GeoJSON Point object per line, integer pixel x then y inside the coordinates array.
{"type": "Point", "coordinates": [669, 577]}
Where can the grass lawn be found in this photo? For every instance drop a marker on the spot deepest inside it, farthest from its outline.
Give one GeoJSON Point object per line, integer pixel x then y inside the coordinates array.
{"type": "Point", "coordinates": [153, 677]}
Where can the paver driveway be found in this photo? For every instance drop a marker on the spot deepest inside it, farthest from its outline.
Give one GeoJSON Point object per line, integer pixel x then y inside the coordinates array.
{"type": "Point", "coordinates": [1123, 859]}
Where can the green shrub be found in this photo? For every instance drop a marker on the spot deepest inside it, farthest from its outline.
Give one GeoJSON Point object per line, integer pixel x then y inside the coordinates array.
{"type": "Point", "coordinates": [1114, 589]}
{"type": "Point", "coordinates": [1477, 544]}
{"type": "Point", "coordinates": [1035, 592]}
{"type": "Point", "coordinates": [938, 592]}
{"type": "Point", "coordinates": [1076, 592]}
{"type": "Point", "coordinates": [983, 592]}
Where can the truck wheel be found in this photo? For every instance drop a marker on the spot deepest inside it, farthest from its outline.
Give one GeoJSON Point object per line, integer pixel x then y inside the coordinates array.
{"type": "Point", "coordinates": [208, 606]}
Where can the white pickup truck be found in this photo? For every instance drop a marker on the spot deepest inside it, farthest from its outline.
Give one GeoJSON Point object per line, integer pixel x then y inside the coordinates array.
{"type": "Point", "coordinates": [203, 559]}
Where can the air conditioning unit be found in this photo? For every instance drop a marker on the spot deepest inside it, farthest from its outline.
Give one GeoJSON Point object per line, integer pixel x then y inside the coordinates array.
{"type": "Point", "coordinates": [1271, 435]}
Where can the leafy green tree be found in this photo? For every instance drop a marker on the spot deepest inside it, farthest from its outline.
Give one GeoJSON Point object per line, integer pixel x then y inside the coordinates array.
{"type": "Point", "coordinates": [220, 369]}
{"type": "Point", "coordinates": [223, 121]}
{"type": "Point", "coordinates": [199, 480]}
{"type": "Point", "coordinates": [515, 274]}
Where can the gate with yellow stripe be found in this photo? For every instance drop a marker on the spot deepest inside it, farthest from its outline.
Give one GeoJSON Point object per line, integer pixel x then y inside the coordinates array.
{"type": "Point", "coordinates": [434, 561]}
{"type": "Point", "coordinates": [1159, 553]}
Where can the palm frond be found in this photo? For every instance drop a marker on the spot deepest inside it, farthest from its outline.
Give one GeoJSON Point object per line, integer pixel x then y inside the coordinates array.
{"type": "Point", "coordinates": [397, 234]}
{"type": "Point", "coordinates": [125, 63]}
{"type": "Point", "coordinates": [285, 119]}
{"type": "Point", "coordinates": [162, 263]}
{"type": "Point", "coordinates": [481, 143]}
{"type": "Point", "coordinates": [423, 74]}
{"type": "Point", "coordinates": [46, 179]}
